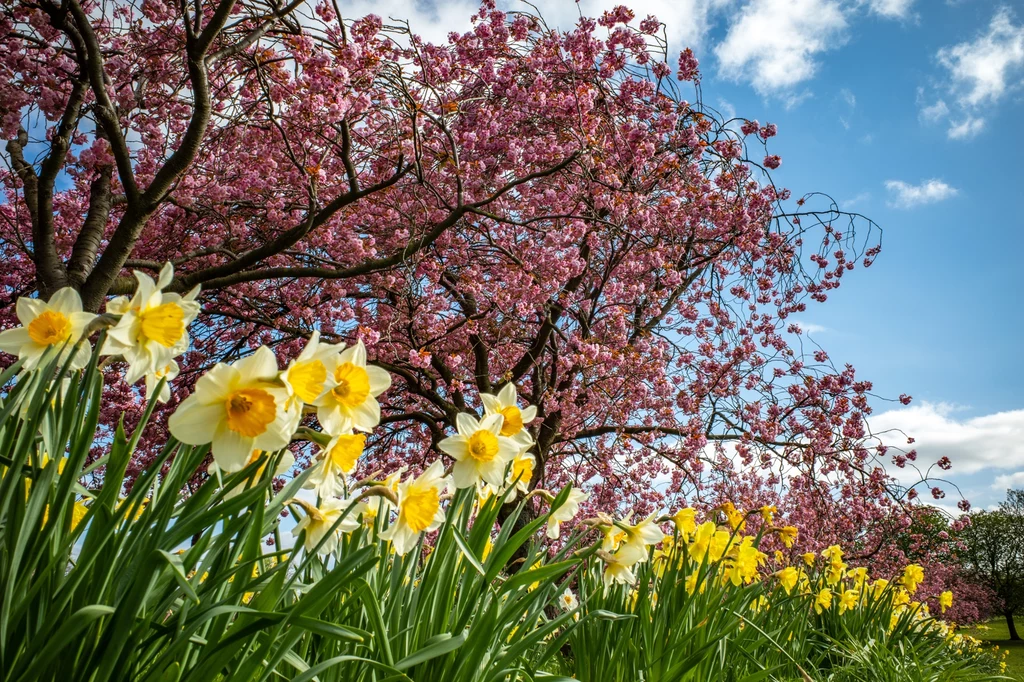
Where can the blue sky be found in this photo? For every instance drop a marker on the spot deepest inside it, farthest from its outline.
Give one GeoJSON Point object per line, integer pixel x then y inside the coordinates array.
{"type": "Point", "coordinates": [906, 111]}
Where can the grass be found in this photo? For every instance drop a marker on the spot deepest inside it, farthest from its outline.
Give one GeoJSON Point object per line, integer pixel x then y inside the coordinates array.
{"type": "Point", "coordinates": [996, 633]}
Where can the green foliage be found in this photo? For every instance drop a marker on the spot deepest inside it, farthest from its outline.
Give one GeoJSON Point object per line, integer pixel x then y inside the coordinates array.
{"type": "Point", "coordinates": [149, 584]}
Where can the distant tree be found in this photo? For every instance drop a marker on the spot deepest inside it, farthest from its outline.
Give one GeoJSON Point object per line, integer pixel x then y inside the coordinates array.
{"type": "Point", "coordinates": [994, 552]}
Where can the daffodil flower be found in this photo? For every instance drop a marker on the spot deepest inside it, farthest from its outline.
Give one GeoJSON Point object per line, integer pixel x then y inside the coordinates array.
{"type": "Point", "coordinates": [641, 536]}
{"type": "Point", "coordinates": [168, 372]}
{"type": "Point", "coordinates": [480, 451]}
{"type": "Point", "coordinates": [319, 521]}
{"type": "Point", "coordinates": [153, 327]}
{"type": "Point", "coordinates": [419, 508]}
{"type": "Point", "coordinates": [567, 600]}
{"type": "Point", "coordinates": [619, 566]}
{"type": "Point", "coordinates": [237, 408]}
{"type": "Point", "coordinates": [306, 376]}
{"type": "Point", "coordinates": [46, 325]}
{"type": "Point", "coordinates": [349, 400]}
{"type": "Point", "coordinates": [513, 419]}
{"type": "Point", "coordinates": [335, 461]}
{"type": "Point", "coordinates": [521, 473]}
{"type": "Point", "coordinates": [565, 512]}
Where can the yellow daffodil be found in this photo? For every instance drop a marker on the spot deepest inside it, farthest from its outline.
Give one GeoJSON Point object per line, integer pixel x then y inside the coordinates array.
{"type": "Point", "coordinates": [565, 512]}
{"type": "Point", "coordinates": [735, 517]}
{"type": "Point", "coordinates": [823, 600]}
{"type": "Point", "coordinates": [419, 508]}
{"type": "Point", "coordinates": [349, 400]}
{"type": "Point", "coordinates": [514, 420]}
{"type": "Point", "coordinates": [848, 600]}
{"type": "Point", "coordinates": [335, 461]}
{"type": "Point", "coordinates": [744, 563]}
{"type": "Point", "coordinates": [945, 600]}
{"type": "Point", "coordinates": [685, 521]}
{"type": "Point", "coordinates": [808, 558]}
{"type": "Point", "coordinates": [878, 587]}
{"type": "Point", "coordinates": [788, 535]}
{"type": "Point", "coordinates": [768, 513]}
{"type": "Point", "coordinates": [480, 451]}
{"type": "Point", "coordinates": [237, 408]}
{"type": "Point", "coordinates": [153, 327]}
{"type": "Point", "coordinates": [521, 473]}
{"type": "Point", "coordinates": [48, 325]}
{"type": "Point", "coordinates": [912, 576]}
{"type": "Point", "coordinates": [320, 521]}
{"type": "Point", "coordinates": [787, 578]}
{"type": "Point", "coordinates": [306, 375]}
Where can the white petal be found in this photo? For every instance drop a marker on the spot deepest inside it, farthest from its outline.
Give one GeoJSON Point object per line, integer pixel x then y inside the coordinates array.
{"type": "Point", "coordinates": [492, 423]}
{"type": "Point", "coordinates": [465, 474]}
{"type": "Point", "coordinates": [166, 275]}
{"type": "Point", "coordinates": [29, 309]}
{"type": "Point", "coordinates": [333, 420]}
{"type": "Point", "coordinates": [528, 414]}
{"type": "Point", "coordinates": [507, 395]}
{"type": "Point", "coordinates": [194, 423]}
{"type": "Point", "coordinates": [466, 424]}
{"type": "Point", "coordinates": [366, 416]}
{"type": "Point", "coordinates": [491, 404]}
{"type": "Point", "coordinates": [81, 356]}
{"type": "Point", "coordinates": [214, 386]}
{"type": "Point", "coordinates": [380, 380]}
{"type": "Point", "coordinates": [261, 365]}
{"type": "Point", "coordinates": [12, 340]}
{"type": "Point", "coordinates": [231, 450]}
{"type": "Point", "coordinates": [456, 446]}
{"type": "Point", "coordinates": [66, 301]}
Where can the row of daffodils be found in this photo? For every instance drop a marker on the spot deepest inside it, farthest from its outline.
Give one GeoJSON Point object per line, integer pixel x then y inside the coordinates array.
{"type": "Point", "coordinates": [249, 409]}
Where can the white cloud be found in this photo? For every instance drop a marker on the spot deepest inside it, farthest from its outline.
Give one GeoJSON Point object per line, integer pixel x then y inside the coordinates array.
{"type": "Point", "coordinates": [891, 9]}
{"type": "Point", "coordinates": [1007, 481]}
{"type": "Point", "coordinates": [980, 74]}
{"type": "Point", "coordinates": [774, 43]}
{"type": "Point", "coordinates": [980, 69]}
{"type": "Point", "coordinates": [989, 442]}
{"type": "Point", "coordinates": [810, 327]}
{"type": "Point", "coordinates": [848, 97]}
{"type": "Point", "coordinates": [927, 192]}
{"type": "Point", "coordinates": [935, 112]}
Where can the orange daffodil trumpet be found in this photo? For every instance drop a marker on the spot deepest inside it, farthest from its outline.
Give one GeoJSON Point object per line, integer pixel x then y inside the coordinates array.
{"type": "Point", "coordinates": [238, 408]}
{"type": "Point", "coordinates": [46, 325]}
{"type": "Point", "coordinates": [153, 328]}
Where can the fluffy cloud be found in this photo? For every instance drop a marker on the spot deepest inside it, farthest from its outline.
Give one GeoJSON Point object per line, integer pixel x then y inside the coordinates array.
{"type": "Point", "coordinates": [892, 9]}
{"type": "Point", "coordinates": [980, 73]}
{"type": "Point", "coordinates": [905, 195]}
{"type": "Point", "coordinates": [774, 43]}
{"type": "Point", "coordinates": [1007, 481]}
{"type": "Point", "coordinates": [975, 444]}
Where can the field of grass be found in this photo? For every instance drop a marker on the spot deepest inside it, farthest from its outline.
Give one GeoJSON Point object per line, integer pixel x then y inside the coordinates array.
{"type": "Point", "coordinates": [996, 633]}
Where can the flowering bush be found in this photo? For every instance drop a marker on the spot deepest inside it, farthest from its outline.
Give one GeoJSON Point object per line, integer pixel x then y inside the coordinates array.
{"type": "Point", "coordinates": [417, 576]}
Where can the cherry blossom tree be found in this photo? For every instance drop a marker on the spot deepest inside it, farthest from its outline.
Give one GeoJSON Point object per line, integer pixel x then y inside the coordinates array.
{"type": "Point", "coordinates": [552, 208]}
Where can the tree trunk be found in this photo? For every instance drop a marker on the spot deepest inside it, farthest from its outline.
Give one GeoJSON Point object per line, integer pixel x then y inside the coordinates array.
{"type": "Point", "coordinates": [1011, 626]}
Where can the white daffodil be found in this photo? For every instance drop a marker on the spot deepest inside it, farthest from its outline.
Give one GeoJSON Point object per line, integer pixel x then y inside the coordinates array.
{"type": "Point", "coordinates": [619, 566]}
{"type": "Point", "coordinates": [521, 473]}
{"type": "Point", "coordinates": [319, 521]}
{"type": "Point", "coordinates": [153, 327]}
{"type": "Point", "coordinates": [238, 408]}
{"type": "Point", "coordinates": [566, 512]}
{"type": "Point", "coordinates": [153, 380]}
{"type": "Point", "coordinates": [514, 419]}
{"type": "Point", "coordinates": [567, 600]}
{"type": "Point", "coordinates": [641, 536]}
{"type": "Point", "coordinates": [349, 400]}
{"type": "Point", "coordinates": [286, 463]}
{"type": "Point", "coordinates": [47, 324]}
{"type": "Point", "coordinates": [306, 376]}
{"type": "Point", "coordinates": [480, 451]}
{"type": "Point", "coordinates": [419, 508]}
{"type": "Point", "coordinates": [335, 461]}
